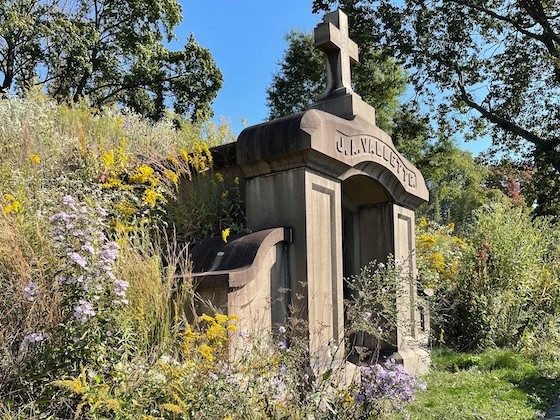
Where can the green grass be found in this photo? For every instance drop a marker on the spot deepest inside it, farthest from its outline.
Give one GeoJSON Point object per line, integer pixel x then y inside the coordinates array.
{"type": "Point", "coordinates": [495, 384]}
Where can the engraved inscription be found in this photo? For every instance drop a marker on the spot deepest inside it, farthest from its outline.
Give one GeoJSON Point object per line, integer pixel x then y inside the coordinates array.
{"type": "Point", "coordinates": [380, 151]}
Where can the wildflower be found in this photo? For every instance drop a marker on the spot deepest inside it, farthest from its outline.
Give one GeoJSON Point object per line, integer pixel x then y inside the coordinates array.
{"type": "Point", "coordinates": [78, 259]}
{"type": "Point", "coordinates": [88, 247]}
{"type": "Point", "coordinates": [225, 234]}
{"type": "Point", "coordinates": [381, 266]}
{"type": "Point", "coordinates": [282, 369]}
{"type": "Point", "coordinates": [170, 175]}
{"type": "Point", "coordinates": [13, 206]}
{"type": "Point", "coordinates": [221, 318]}
{"type": "Point", "coordinates": [142, 174]}
{"type": "Point", "coordinates": [219, 177]}
{"type": "Point", "coordinates": [84, 311]}
{"type": "Point", "coordinates": [184, 155]}
{"type": "Point", "coordinates": [282, 329]}
{"type": "Point", "coordinates": [35, 159]}
{"type": "Point", "coordinates": [206, 351]}
{"type": "Point", "coordinates": [206, 318]}
{"type": "Point", "coordinates": [121, 287]}
{"type": "Point", "coordinates": [31, 290]}
{"type": "Point", "coordinates": [173, 160]}
{"type": "Point", "coordinates": [108, 159]}
{"type": "Point", "coordinates": [109, 252]}
{"type": "Point", "coordinates": [366, 315]}
{"type": "Point", "coordinates": [32, 338]}
{"type": "Point", "coordinates": [151, 197]}
{"type": "Point", "coordinates": [215, 331]}
{"type": "Point", "coordinates": [236, 180]}
{"type": "Point", "coordinates": [125, 208]}
{"type": "Point", "coordinates": [282, 345]}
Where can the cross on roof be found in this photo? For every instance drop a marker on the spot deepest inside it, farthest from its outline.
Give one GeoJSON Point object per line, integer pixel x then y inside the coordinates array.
{"type": "Point", "coordinates": [331, 36]}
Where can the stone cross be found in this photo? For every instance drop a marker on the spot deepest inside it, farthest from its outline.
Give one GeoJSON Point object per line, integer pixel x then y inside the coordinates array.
{"type": "Point", "coordinates": [331, 36]}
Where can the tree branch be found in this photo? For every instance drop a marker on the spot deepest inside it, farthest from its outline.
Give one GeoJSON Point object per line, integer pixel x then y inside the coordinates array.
{"type": "Point", "coordinates": [503, 123]}
{"type": "Point", "coordinates": [499, 17]}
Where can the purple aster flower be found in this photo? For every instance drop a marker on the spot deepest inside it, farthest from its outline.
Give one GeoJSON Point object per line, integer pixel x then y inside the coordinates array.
{"type": "Point", "coordinates": [109, 252]}
{"type": "Point", "coordinates": [282, 345]}
{"type": "Point", "coordinates": [88, 247]}
{"type": "Point", "coordinates": [282, 329]}
{"type": "Point", "coordinates": [84, 311]}
{"type": "Point", "coordinates": [68, 200]}
{"type": "Point", "coordinates": [78, 259]}
{"type": "Point", "coordinates": [31, 290]}
{"type": "Point", "coordinates": [32, 338]}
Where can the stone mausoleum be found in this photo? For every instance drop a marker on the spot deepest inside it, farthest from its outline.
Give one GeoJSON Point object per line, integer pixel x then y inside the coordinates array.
{"type": "Point", "coordinates": [325, 192]}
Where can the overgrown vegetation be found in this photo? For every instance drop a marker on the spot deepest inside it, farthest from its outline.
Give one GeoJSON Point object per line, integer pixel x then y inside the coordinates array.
{"type": "Point", "coordinates": [98, 313]}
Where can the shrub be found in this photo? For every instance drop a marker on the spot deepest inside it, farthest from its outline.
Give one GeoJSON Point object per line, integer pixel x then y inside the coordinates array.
{"type": "Point", "coordinates": [509, 281]}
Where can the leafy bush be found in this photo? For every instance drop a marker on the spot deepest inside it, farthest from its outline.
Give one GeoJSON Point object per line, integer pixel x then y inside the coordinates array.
{"type": "Point", "coordinates": [508, 284]}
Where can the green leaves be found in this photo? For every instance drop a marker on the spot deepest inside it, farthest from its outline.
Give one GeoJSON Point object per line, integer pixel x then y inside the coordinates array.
{"type": "Point", "coordinates": [110, 52]}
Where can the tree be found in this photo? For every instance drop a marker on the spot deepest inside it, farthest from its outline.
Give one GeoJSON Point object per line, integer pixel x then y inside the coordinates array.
{"type": "Point", "coordinates": [458, 185]}
{"type": "Point", "coordinates": [110, 52]}
{"type": "Point", "coordinates": [499, 59]}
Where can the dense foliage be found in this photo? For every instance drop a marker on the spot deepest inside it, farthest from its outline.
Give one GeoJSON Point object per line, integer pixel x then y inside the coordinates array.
{"type": "Point", "coordinates": [498, 285]}
{"type": "Point", "coordinates": [110, 52]}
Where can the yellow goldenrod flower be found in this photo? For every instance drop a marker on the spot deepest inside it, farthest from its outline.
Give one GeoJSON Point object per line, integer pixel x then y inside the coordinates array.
{"type": "Point", "coordinates": [108, 159]}
{"type": "Point", "coordinates": [215, 331]}
{"type": "Point", "coordinates": [236, 180]}
{"type": "Point", "coordinates": [184, 155]}
{"type": "Point", "coordinates": [13, 205]}
{"type": "Point", "coordinates": [206, 351]}
{"type": "Point", "coordinates": [170, 175]}
{"type": "Point", "coordinates": [221, 318]}
{"type": "Point", "coordinates": [35, 159]}
{"type": "Point", "coordinates": [219, 177]}
{"type": "Point", "coordinates": [151, 197]}
{"type": "Point", "coordinates": [232, 328]}
{"type": "Point", "coordinates": [125, 208]}
{"type": "Point", "coordinates": [142, 174]}
{"type": "Point", "coordinates": [121, 227]}
{"type": "Point", "coordinates": [116, 183]}
{"type": "Point", "coordinates": [225, 234]}
{"type": "Point", "coordinates": [206, 318]}
{"type": "Point", "coordinates": [426, 240]}
{"type": "Point", "coordinates": [173, 160]}
{"type": "Point", "coordinates": [437, 261]}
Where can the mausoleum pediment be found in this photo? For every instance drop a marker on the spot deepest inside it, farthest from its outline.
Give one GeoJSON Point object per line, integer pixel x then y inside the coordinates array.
{"type": "Point", "coordinates": [333, 146]}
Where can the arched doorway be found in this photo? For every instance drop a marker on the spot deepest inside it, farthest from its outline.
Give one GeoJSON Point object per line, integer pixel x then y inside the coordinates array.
{"type": "Point", "coordinates": [367, 235]}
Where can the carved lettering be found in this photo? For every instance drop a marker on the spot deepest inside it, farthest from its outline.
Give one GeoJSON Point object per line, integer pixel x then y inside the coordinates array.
{"type": "Point", "coordinates": [379, 151]}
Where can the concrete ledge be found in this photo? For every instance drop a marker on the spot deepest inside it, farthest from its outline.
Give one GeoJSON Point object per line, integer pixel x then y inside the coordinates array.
{"type": "Point", "coordinates": [234, 264]}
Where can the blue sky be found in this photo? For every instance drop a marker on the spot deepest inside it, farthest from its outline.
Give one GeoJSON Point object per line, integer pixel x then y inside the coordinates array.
{"type": "Point", "coordinates": [246, 39]}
